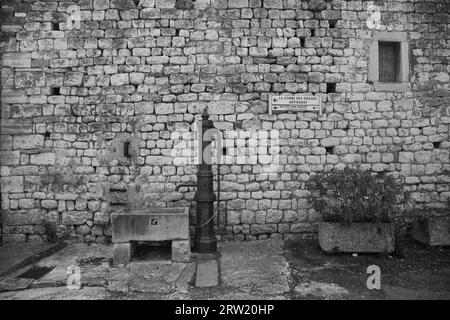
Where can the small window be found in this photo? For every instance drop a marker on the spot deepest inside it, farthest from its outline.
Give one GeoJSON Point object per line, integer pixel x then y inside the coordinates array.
{"type": "Point", "coordinates": [389, 61]}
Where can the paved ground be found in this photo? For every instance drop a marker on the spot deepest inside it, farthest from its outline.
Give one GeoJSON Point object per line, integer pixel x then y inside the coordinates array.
{"type": "Point", "coordinates": [270, 269]}
{"type": "Point", "coordinates": [419, 274]}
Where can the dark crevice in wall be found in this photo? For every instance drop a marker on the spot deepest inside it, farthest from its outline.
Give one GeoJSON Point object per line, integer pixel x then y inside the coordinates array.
{"type": "Point", "coordinates": [302, 41]}
{"type": "Point", "coordinates": [437, 145]}
{"type": "Point", "coordinates": [331, 87]}
{"type": "Point", "coordinates": [126, 149]}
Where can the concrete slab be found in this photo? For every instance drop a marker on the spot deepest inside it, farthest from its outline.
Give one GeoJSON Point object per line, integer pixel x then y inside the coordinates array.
{"type": "Point", "coordinates": [255, 267]}
{"type": "Point", "coordinates": [14, 256]}
{"type": "Point", "coordinates": [207, 274]}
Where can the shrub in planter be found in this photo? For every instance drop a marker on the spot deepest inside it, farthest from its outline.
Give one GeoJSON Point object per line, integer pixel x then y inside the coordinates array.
{"type": "Point", "coordinates": [358, 210]}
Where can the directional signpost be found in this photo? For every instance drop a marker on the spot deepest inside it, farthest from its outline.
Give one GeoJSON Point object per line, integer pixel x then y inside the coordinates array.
{"type": "Point", "coordinates": [302, 103]}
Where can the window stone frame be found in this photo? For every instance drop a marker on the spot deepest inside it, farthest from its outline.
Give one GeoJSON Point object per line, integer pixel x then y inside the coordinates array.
{"type": "Point", "coordinates": [373, 74]}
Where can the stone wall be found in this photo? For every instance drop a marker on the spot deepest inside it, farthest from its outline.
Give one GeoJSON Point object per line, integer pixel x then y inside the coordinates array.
{"type": "Point", "coordinates": [135, 71]}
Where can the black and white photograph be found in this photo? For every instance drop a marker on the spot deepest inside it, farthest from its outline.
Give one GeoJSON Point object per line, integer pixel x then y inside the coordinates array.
{"type": "Point", "coordinates": [224, 157]}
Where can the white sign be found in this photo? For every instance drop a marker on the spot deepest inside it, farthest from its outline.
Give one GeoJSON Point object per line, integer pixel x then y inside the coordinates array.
{"type": "Point", "coordinates": [295, 103]}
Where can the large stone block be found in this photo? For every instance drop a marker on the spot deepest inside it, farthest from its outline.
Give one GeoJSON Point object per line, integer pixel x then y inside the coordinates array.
{"type": "Point", "coordinates": [221, 107]}
{"type": "Point", "coordinates": [11, 184]}
{"type": "Point", "coordinates": [16, 60]}
{"type": "Point", "coordinates": [153, 224]}
{"type": "Point", "coordinates": [273, 4]}
{"type": "Point", "coordinates": [165, 4]}
{"type": "Point", "coordinates": [75, 217]}
{"type": "Point", "coordinates": [8, 158]}
{"type": "Point", "coordinates": [181, 251]}
{"type": "Point", "coordinates": [47, 158]}
{"type": "Point", "coordinates": [31, 141]}
{"type": "Point", "coordinates": [237, 3]}
{"type": "Point", "coordinates": [101, 4]}
{"type": "Point", "coordinates": [263, 228]}
{"type": "Point", "coordinates": [119, 79]}
{"type": "Point", "coordinates": [433, 231]}
{"type": "Point", "coordinates": [73, 79]}
{"type": "Point", "coordinates": [122, 252]}
{"type": "Point", "coordinates": [357, 237]}
{"type": "Point", "coordinates": [122, 4]}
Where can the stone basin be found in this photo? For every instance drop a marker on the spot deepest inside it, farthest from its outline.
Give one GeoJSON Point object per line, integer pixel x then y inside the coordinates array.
{"type": "Point", "coordinates": [152, 224]}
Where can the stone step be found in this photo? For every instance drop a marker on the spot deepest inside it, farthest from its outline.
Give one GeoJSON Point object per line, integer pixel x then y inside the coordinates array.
{"type": "Point", "coordinates": [207, 274]}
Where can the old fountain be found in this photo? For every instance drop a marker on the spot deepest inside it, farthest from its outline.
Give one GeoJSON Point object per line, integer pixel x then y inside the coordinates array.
{"type": "Point", "coordinates": [172, 224]}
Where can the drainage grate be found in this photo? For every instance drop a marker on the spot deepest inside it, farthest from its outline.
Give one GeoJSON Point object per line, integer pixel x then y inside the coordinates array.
{"type": "Point", "coordinates": [36, 272]}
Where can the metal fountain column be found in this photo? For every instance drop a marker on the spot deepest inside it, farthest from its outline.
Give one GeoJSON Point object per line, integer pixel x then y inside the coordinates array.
{"type": "Point", "coordinates": [205, 238]}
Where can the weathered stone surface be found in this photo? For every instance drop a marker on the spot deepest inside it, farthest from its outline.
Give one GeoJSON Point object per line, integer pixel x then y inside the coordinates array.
{"type": "Point", "coordinates": [321, 290]}
{"type": "Point", "coordinates": [433, 231]}
{"type": "Point", "coordinates": [357, 237]}
{"type": "Point", "coordinates": [181, 251]}
{"type": "Point", "coordinates": [151, 225]}
{"type": "Point", "coordinates": [28, 141]}
{"type": "Point", "coordinates": [9, 158]}
{"type": "Point", "coordinates": [16, 60]}
{"type": "Point", "coordinates": [119, 79]}
{"type": "Point", "coordinates": [122, 252]}
{"type": "Point", "coordinates": [255, 267]}
{"type": "Point", "coordinates": [43, 158]}
{"type": "Point", "coordinates": [122, 4]}
{"type": "Point", "coordinates": [101, 4]}
{"type": "Point", "coordinates": [263, 228]}
{"type": "Point", "coordinates": [207, 274]}
{"type": "Point", "coordinates": [12, 184]}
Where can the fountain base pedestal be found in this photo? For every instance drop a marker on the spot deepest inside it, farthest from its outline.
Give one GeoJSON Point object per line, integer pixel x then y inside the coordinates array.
{"type": "Point", "coordinates": [155, 224]}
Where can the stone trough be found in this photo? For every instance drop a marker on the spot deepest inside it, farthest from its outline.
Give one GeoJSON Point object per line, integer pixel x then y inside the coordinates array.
{"type": "Point", "coordinates": [152, 224]}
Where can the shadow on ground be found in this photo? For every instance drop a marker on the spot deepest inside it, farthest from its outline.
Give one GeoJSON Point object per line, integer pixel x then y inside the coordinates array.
{"type": "Point", "coordinates": [420, 274]}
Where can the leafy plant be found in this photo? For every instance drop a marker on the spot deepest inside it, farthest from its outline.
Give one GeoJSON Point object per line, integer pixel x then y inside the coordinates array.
{"type": "Point", "coordinates": [352, 195]}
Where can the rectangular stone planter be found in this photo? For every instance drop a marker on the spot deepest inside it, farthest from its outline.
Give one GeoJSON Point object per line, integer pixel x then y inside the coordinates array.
{"type": "Point", "coordinates": [153, 224]}
{"type": "Point", "coordinates": [357, 237]}
{"type": "Point", "coordinates": [432, 231]}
